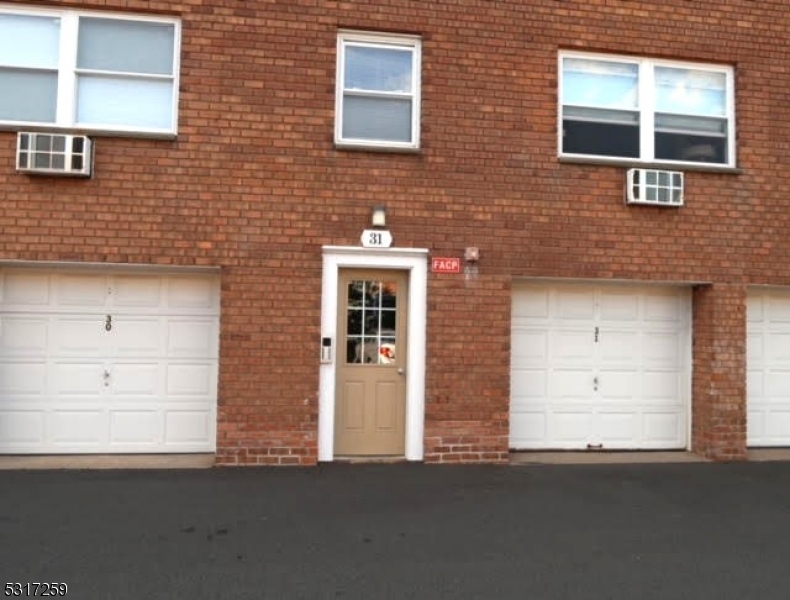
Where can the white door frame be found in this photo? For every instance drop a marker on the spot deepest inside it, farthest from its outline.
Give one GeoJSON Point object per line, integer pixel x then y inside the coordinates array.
{"type": "Point", "coordinates": [413, 260]}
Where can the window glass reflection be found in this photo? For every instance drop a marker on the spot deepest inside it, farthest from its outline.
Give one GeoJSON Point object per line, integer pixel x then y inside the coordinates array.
{"type": "Point", "coordinates": [371, 322]}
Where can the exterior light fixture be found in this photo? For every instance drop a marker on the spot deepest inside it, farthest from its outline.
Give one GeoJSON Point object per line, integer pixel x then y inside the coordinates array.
{"type": "Point", "coordinates": [472, 254]}
{"type": "Point", "coordinates": [379, 216]}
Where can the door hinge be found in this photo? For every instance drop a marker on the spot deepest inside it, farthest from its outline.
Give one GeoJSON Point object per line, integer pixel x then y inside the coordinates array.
{"type": "Point", "coordinates": [596, 335]}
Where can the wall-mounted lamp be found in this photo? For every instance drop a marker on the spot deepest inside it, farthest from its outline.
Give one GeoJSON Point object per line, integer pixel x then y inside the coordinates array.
{"type": "Point", "coordinates": [379, 216]}
{"type": "Point", "coordinates": [472, 254]}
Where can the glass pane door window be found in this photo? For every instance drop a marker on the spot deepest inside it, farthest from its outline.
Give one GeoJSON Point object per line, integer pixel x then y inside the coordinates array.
{"type": "Point", "coordinates": [371, 322]}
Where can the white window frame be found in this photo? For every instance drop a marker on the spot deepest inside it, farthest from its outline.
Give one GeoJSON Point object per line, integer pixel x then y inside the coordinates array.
{"type": "Point", "coordinates": [66, 111]}
{"type": "Point", "coordinates": [381, 40]}
{"type": "Point", "coordinates": [646, 109]}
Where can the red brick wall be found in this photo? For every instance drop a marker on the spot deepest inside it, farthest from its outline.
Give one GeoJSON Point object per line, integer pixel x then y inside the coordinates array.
{"type": "Point", "coordinates": [719, 373]}
{"type": "Point", "coordinates": [253, 184]}
{"type": "Point", "coordinates": [468, 369]}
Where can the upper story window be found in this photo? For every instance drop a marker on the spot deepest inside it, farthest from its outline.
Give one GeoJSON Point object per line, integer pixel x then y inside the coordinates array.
{"type": "Point", "coordinates": [88, 71]}
{"type": "Point", "coordinates": [378, 91]}
{"type": "Point", "coordinates": [646, 110]}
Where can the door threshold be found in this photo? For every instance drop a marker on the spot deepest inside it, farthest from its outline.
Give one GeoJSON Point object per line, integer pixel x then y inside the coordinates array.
{"type": "Point", "coordinates": [106, 461]}
{"type": "Point", "coordinates": [356, 459]}
{"type": "Point", "coordinates": [598, 457]}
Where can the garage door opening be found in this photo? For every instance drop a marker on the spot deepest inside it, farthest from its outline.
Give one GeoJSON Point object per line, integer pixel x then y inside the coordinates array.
{"type": "Point", "coordinates": [600, 366]}
{"type": "Point", "coordinates": [122, 362]}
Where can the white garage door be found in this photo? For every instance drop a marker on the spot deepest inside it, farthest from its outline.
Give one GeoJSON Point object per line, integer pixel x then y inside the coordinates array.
{"type": "Point", "coordinates": [106, 363]}
{"type": "Point", "coordinates": [768, 368]}
{"type": "Point", "coordinates": [600, 366]}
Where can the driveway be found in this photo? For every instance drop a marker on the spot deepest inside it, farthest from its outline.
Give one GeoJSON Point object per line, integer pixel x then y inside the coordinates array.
{"type": "Point", "coordinates": [668, 531]}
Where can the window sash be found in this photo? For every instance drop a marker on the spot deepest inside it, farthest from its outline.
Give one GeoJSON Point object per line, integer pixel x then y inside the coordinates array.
{"type": "Point", "coordinates": [687, 103]}
{"type": "Point", "coordinates": [378, 95]}
{"type": "Point", "coordinates": [132, 106]}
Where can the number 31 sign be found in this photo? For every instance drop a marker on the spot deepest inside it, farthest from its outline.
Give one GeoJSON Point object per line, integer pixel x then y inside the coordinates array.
{"type": "Point", "coordinates": [376, 238]}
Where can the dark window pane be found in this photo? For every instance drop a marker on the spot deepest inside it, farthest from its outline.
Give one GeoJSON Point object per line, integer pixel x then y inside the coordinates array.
{"type": "Point", "coordinates": [355, 293]}
{"type": "Point", "coordinates": [390, 295]}
{"type": "Point", "coordinates": [388, 320]}
{"type": "Point", "coordinates": [600, 139]}
{"type": "Point", "coordinates": [372, 293]}
{"type": "Point", "coordinates": [353, 350]}
{"type": "Point", "coordinates": [372, 322]}
{"type": "Point", "coordinates": [691, 148]}
{"type": "Point", "coordinates": [354, 322]}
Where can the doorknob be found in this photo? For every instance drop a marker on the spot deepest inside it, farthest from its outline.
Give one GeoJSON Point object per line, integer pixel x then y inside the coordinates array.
{"type": "Point", "coordinates": [401, 371]}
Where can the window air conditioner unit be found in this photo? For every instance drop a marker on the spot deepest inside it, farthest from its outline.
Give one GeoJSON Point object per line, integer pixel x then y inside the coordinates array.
{"type": "Point", "coordinates": [54, 154]}
{"type": "Point", "coordinates": [654, 187]}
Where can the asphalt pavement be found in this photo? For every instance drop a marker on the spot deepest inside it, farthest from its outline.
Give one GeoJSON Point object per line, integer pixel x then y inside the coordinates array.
{"type": "Point", "coordinates": [635, 531]}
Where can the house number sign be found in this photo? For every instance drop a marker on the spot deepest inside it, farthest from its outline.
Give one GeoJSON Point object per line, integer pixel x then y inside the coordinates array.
{"type": "Point", "coordinates": [376, 238]}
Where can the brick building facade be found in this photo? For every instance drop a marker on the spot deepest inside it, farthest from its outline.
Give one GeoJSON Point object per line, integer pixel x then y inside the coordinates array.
{"type": "Point", "coordinates": [255, 192]}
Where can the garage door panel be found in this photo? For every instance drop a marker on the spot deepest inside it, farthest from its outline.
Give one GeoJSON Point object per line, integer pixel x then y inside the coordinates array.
{"type": "Point", "coordinates": [779, 424]}
{"type": "Point", "coordinates": [134, 381]}
{"type": "Point", "coordinates": [574, 303]}
{"type": "Point", "coordinates": [754, 347]}
{"type": "Point", "coordinates": [528, 429]}
{"type": "Point", "coordinates": [754, 384]}
{"type": "Point", "coordinates": [23, 336]}
{"type": "Point", "coordinates": [192, 338]}
{"type": "Point", "coordinates": [19, 379]}
{"type": "Point", "coordinates": [629, 388]}
{"type": "Point", "coordinates": [618, 385]}
{"type": "Point", "coordinates": [778, 308]}
{"type": "Point", "coordinates": [618, 346]}
{"type": "Point", "coordinates": [572, 345]}
{"type": "Point", "coordinates": [194, 293]}
{"type": "Point", "coordinates": [188, 427]}
{"type": "Point", "coordinates": [137, 427]}
{"type": "Point", "coordinates": [618, 429]}
{"type": "Point", "coordinates": [79, 336]}
{"type": "Point", "coordinates": [22, 427]}
{"type": "Point", "coordinates": [189, 381]}
{"type": "Point", "coordinates": [618, 306]}
{"type": "Point", "coordinates": [777, 384]}
{"type": "Point", "coordinates": [570, 383]}
{"type": "Point", "coordinates": [573, 428]}
{"type": "Point", "coordinates": [140, 337]}
{"type": "Point", "coordinates": [137, 291]}
{"type": "Point", "coordinates": [778, 347]}
{"type": "Point", "coordinates": [530, 383]}
{"type": "Point", "coordinates": [663, 349]}
{"type": "Point", "coordinates": [81, 290]}
{"type": "Point", "coordinates": [78, 427]}
{"type": "Point", "coordinates": [755, 308]}
{"type": "Point", "coordinates": [661, 388]}
{"type": "Point", "coordinates": [756, 432]}
{"type": "Point", "coordinates": [25, 289]}
{"type": "Point", "coordinates": [94, 362]}
{"type": "Point", "coordinates": [534, 305]}
{"type": "Point", "coordinates": [662, 430]}
{"type": "Point", "coordinates": [81, 380]}
{"type": "Point", "coordinates": [768, 367]}
{"type": "Point", "coordinates": [666, 307]}
{"type": "Point", "coordinates": [529, 347]}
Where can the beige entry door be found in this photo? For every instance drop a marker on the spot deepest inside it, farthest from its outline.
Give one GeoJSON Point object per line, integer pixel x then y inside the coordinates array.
{"type": "Point", "coordinates": [371, 364]}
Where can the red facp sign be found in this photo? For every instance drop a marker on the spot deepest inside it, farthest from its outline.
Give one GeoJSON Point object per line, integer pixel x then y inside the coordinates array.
{"type": "Point", "coordinates": [445, 265]}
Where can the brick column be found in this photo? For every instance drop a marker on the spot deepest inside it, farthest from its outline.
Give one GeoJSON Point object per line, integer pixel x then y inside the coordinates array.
{"type": "Point", "coordinates": [719, 379]}
{"type": "Point", "coordinates": [468, 370]}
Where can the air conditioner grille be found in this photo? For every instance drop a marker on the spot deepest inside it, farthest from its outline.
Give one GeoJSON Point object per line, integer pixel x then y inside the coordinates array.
{"type": "Point", "coordinates": [655, 187]}
{"type": "Point", "coordinates": [54, 154]}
